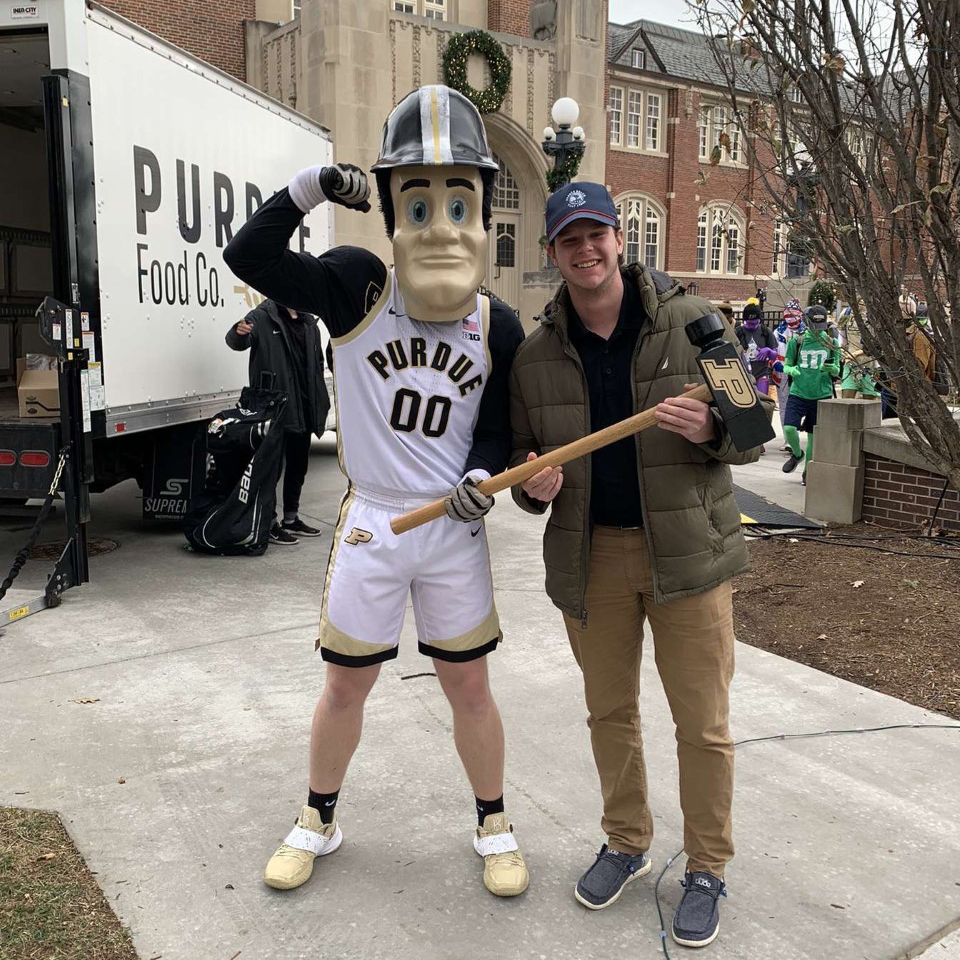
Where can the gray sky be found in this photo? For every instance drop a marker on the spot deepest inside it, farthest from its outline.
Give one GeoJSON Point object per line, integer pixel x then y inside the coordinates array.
{"type": "Point", "coordinates": [674, 12]}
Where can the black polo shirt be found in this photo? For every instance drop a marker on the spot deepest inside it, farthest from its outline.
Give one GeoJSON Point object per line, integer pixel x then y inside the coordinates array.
{"type": "Point", "coordinates": [608, 365]}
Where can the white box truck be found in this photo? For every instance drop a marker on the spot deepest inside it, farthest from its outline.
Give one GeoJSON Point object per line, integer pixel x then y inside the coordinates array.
{"type": "Point", "coordinates": [126, 166]}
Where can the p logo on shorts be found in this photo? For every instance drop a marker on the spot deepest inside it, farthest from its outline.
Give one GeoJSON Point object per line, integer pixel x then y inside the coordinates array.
{"type": "Point", "coordinates": [357, 536]}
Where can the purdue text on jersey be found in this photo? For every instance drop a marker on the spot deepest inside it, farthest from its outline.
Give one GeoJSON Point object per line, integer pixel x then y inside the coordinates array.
{"type": "Point", "coordinates": [411, 383]}
{"type": "Point", "coordinates": [400, 357]}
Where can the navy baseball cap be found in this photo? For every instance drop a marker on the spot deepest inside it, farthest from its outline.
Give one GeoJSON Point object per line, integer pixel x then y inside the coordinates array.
{"type": "Point", "coordinates": [580, 201]}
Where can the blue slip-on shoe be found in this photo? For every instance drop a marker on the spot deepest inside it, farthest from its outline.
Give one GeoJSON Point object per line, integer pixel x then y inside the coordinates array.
{"type": "Point", "coordinates": [603, 883]}
{"type": "Point", "coordinates": [697, 920]}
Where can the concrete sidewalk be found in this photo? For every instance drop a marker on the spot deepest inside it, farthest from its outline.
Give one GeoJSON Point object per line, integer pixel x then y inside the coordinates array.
{"type": "Point", "coordinates": [848, 847]}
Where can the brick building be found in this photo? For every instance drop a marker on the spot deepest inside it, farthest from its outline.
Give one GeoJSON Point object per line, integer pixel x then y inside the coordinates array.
{"type": "Point", "coordinates": [708, 224]}
{"type": "Point", "coordinates": [212, 30]}
{"type": "Point", "coordinates": [650, 105]}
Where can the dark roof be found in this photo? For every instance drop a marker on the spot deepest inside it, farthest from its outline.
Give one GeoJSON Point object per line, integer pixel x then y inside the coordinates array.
{"type": "Point", "coordinates": [682, 53]}
{"type": "Point", "coordinates": [676, 52]}
{"type": "Point", "coordinates": [686, 54]}
{"type": "Point", "coordinates": [618, 40]}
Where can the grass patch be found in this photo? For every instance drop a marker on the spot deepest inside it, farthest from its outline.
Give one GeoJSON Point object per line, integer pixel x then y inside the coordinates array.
{"type": "Point", "coordinates": [50, 905]}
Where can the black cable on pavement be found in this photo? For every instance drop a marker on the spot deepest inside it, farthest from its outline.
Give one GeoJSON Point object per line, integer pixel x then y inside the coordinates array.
{"type": "Point", "coordinates": [936, 509]}
{"type": "Point", "coordinates": [836, 541]}
{"type": "Point", "coordinates": [789, 736]}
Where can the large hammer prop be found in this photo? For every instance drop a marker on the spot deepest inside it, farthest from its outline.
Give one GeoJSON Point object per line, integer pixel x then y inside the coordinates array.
{"type": "Point", "coordinates": [727, 384]}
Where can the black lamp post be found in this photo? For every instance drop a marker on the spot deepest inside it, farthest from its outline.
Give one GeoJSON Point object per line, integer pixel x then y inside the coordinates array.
{"type": "Point", "coordinates": [565, 142]}
{"type": "Point", "coordinates": [803, 181]}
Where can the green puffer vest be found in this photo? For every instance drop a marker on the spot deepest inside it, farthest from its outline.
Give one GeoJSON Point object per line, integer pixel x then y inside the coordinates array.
{"type": "Point", "coordinates": [691, 519]}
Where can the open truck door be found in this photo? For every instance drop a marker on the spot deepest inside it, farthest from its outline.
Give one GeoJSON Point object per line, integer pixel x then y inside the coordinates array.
{"type": "Point", "coordinates": [127, 166]}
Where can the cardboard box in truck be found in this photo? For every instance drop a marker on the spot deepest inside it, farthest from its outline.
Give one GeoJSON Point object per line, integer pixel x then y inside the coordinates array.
{"type": "Point", "coordinates": [38, 393]}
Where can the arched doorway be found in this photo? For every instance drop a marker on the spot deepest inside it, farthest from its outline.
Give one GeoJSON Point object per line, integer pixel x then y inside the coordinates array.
{"type": "Point", "coordinates": [506, 244]}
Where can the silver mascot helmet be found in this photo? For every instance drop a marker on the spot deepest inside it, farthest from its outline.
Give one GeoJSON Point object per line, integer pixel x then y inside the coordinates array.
{"type": "Point", "coordinates": [434, 126]}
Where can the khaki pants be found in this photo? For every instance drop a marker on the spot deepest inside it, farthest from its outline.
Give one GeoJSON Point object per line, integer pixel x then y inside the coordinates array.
{"type": "Point", "coordinates": [693, 648]}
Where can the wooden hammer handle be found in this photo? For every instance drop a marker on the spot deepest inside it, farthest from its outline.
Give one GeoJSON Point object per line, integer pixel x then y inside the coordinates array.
{"type": "Point", "coordinates": [564, 454]}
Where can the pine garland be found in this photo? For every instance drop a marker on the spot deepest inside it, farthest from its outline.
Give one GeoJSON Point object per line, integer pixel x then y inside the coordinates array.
{"type": "Point", "coordinates": [558, 176]}
{"type": "Point", "coordinates": [458, 51]}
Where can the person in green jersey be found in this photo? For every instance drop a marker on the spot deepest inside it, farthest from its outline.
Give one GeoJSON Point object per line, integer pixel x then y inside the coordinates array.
{"type": "Point", "coordinates": [858, 378]}
{"type": "Point", "coordinates": [811, 363]}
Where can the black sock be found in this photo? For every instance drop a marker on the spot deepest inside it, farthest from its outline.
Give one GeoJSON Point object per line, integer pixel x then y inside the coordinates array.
{"type": "Point", "coordinates": [486, 807]}
{"type": "Point", "coordinates": [324, 803]}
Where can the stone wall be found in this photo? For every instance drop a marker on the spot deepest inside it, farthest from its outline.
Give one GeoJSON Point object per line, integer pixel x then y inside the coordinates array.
{"type": "Point", "coordinates": [273, 59]}
{"type": "Point", "coordinates": [865, 469]}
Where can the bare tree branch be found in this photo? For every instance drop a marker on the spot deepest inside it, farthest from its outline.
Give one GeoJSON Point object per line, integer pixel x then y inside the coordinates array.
{"type": "Point", "coordinates": [849, 113]}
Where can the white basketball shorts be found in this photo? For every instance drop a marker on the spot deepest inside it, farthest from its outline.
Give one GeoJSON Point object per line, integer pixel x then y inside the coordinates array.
{"type": "Point", "coordinates": [444, 565]}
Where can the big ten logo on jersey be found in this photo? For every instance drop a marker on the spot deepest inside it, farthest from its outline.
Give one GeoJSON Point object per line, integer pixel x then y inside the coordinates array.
{"type": "Point", "coordinates": [399, 356]}
{"type": "Point", "coordinates": [358, 536]}
{"type": "Point", "coordinates": [371, 297]}
{"type": "Point", "coordinates": [471, 328]}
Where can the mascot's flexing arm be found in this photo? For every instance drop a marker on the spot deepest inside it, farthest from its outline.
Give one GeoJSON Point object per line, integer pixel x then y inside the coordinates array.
{"type": "Point", "coordinates": [421, 360]}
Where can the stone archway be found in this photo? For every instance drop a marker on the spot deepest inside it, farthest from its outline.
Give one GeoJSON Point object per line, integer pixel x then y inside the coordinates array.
{"type": "Point", "coordinates": [522, 159]}
{"type": "Point", "coordinates": [505, 261]}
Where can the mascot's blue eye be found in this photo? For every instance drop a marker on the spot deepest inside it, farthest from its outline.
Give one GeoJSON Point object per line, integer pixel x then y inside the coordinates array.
{"type": "Point", "coordinates": [417, 211]}
{"type": "Point", "coordinates": [458, 209]}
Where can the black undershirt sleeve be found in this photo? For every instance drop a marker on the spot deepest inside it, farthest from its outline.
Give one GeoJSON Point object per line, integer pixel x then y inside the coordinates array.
{"type": "Point", "coordinates": [340, 286]}
{"type": "Point", "coordinates": [492, 438]}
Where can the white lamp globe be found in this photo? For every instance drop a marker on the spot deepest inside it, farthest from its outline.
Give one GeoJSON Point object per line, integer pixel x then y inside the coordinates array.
{"type": "Point", "coordinates": [549, 134]}
{"type": "Point", "coordinates": [565, 112]}
{"type": "Point", "coordinates": [578, 133]}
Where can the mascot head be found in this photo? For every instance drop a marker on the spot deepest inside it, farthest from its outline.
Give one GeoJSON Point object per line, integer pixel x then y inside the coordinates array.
{"type": "Point", "coordinates": [435, 177]}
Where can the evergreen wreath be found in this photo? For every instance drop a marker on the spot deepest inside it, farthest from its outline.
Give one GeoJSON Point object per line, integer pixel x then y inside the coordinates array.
{"type": "Point", "coordinates": [455, 57]}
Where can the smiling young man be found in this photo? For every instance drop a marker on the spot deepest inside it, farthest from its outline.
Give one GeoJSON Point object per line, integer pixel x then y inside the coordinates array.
{"type": "Point", "coordinates": [420, 371]}
{"type": "Point", "coordinates": [646, 528]}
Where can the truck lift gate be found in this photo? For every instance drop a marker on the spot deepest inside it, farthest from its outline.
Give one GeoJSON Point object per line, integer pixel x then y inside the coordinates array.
{"type": "Point", "coordinates": [60, 327]}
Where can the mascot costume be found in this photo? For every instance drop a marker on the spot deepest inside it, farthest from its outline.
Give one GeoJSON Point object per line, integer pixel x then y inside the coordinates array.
{"type": "Point", "coordinates": [812, 362]}
{"type": "Point", "coordinates": [420, 363]}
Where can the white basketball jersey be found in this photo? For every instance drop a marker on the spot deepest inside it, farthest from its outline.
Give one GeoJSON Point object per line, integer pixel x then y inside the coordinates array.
{"type": "Point", "coordinates": [407, 397]}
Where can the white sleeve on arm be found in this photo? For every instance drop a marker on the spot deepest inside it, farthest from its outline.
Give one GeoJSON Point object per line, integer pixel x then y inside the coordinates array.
{"type": "Point", "coordinates": [305, 190]}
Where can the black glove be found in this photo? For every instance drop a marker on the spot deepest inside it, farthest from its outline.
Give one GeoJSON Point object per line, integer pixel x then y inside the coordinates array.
{"type": "Point", "coordinates": [346, 184]}
{"type": "Point", "coordinates": [466, 502]}
{"type": "Point", "coordinates": [342, 183]}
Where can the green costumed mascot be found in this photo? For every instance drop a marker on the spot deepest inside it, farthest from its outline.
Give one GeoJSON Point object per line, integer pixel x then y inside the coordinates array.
{"type": "Point", "coordinates": [811, 363]}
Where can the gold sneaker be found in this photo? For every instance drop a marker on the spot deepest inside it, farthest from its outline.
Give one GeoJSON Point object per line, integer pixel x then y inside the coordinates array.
{"type": "Point", "coordinates": [292, 864]}
{"type": "Point", "coordinates": [504, 872]}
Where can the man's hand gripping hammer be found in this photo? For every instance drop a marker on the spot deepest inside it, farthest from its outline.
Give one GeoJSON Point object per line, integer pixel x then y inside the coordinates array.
{"type": "Point", "coordinates": [728, 385]}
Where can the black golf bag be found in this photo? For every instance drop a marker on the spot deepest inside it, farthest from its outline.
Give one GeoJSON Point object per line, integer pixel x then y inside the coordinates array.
{"type": "Point", "coordinates": [234, 512]}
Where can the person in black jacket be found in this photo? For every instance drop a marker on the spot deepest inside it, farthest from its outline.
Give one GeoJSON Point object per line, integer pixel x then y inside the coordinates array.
{"type": "Point", "coordinates": [759, 346]}
{"type": "Point", "coordinates": [286, 343]}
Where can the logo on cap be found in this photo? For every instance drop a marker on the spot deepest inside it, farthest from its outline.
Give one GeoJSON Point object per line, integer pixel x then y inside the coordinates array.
{"type": "Point", "coordinates": [576, 198]}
